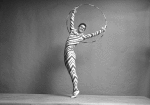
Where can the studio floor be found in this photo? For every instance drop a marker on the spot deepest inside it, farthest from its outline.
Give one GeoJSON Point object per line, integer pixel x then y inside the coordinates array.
{"type": "Point", "coordinates": [47, 99]}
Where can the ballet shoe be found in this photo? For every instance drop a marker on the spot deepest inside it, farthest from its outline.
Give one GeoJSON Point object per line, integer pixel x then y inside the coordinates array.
{"type": "Point", "coordinates": [75, 93]}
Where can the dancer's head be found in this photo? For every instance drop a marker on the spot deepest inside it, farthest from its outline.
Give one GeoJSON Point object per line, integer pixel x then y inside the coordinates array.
{"type": "Point", "coordinates": [81, 27]}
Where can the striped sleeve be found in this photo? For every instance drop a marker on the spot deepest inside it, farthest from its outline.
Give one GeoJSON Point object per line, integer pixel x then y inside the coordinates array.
{"type": "Point", "coordinates": [102, 30]}
{"type": "Point", "coordinates": [72, 19]}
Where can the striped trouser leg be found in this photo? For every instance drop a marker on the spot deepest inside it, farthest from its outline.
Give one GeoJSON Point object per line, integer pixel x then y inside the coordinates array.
{"type": "Point", "coordinates": [74, 78]}
{"type": "Point", "coordinates": [70, 58]}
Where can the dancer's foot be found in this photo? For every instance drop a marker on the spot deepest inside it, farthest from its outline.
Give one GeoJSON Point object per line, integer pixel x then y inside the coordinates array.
{"type": "Point", "coordinates": [75, 93]}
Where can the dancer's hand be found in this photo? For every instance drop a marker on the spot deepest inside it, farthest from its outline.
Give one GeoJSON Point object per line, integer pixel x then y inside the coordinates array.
{"type": "Point", "coordinates": [104, 28]}
{"type": "Point", "coordinates": [75, 9]}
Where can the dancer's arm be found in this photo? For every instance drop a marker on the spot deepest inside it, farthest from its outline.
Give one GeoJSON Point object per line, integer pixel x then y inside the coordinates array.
{"type": "Point", "coordinates": [102, 30]}
{"type": "Point", "coordinates": [72, 12]}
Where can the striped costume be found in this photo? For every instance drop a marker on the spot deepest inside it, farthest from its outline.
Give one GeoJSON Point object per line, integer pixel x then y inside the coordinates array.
{"type": "Point", "coordinates": [69, 54]}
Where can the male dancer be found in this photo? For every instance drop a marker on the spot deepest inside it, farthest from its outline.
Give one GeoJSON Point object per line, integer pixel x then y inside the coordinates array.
{"type": "Point", "coordinates": [76, 36]}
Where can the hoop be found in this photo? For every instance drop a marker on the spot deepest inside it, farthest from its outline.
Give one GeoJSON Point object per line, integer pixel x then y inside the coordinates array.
{"type": "Point", "coordinates": [76, 12]}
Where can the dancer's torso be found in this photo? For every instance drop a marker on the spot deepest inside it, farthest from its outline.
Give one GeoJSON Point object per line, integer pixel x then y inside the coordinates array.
{"type": "Point", "coordinates": [74, 39]}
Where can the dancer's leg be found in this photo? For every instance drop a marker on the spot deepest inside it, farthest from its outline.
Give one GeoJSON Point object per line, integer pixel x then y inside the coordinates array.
{"type": "Point", "coordinates": [71, 67]}
{"type": "Point", "coordinates": [74, 79]}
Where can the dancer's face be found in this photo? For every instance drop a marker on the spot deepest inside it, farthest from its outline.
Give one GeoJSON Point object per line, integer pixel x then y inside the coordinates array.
{"type": "Point", "coordinates": [81, 28]}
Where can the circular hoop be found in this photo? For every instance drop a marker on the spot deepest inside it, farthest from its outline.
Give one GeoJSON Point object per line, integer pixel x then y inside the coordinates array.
{"type": "Point", "coordinates": [82, 5]}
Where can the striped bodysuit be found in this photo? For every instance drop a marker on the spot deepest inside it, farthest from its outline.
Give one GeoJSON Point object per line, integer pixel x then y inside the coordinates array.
{"type": "Point", "coordinates": [69, 54]}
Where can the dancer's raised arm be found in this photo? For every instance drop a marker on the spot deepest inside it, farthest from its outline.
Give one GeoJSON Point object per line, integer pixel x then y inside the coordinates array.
{"type": "Point", "coordinates": [72, 13]}
{"type": "Point", "coordinates": [102, 30]}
